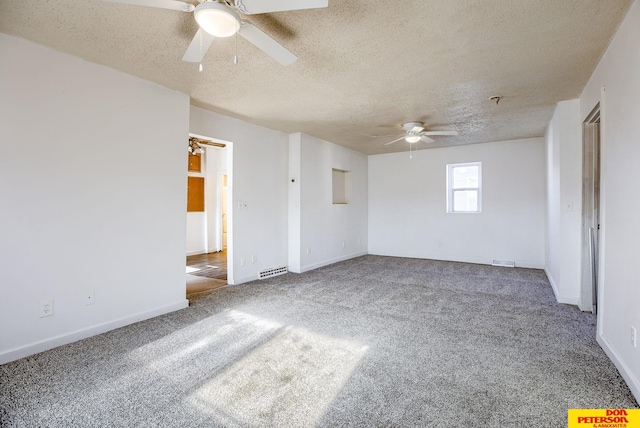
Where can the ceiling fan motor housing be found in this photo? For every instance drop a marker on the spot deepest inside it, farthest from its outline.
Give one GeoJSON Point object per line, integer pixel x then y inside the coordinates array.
{"type": "Point", "coordinates": [413, 126]}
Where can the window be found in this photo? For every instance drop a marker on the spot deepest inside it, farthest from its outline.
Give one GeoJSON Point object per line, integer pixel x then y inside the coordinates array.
{"type": "Point", "coordinates": [464, 187]}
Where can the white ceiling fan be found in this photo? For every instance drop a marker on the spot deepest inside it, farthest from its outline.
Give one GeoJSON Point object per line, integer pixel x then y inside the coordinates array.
{"type": "Point", "coordinates": [220, 18]}
{"type": "Point", "coordinates": [415, 132]}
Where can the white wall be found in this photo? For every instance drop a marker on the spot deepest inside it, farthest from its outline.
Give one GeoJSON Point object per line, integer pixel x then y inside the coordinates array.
{"type": "Point", "coordinates": [196, 233]}
{"type": "Point", "coordinates": [619, 295]}
{"type": "Point", "coordinates": [93, 195]}
{"type": "Point", "coordinates": [216, 167]}
{"type": "Point", "coordinates": [258, 176]}
{"type": "Point", "coordinates": [204, 229]}
{"type": "Point", "coordinates": [197, 221]}
{"type": "Point", "coordinates": [327, 232]}
{"type": "Point", "coordinates": [295, 213]}
{"type": "Point", "coordinates": [564, 202]}
{"type": "Point", "coordinates": [554, 207]}
{"type": "Point", "coordinates": [407, 205]}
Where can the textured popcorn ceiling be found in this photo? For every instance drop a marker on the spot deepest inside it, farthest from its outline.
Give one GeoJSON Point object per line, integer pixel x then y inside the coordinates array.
{"type": "Point", "coordinates": [364, 66]}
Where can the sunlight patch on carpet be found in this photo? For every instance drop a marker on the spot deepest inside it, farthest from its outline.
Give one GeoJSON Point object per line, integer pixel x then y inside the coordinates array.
{"type": "Point", "coordinates": [220, 336]}
{"type": "Point", "coordinates": [290, 380]}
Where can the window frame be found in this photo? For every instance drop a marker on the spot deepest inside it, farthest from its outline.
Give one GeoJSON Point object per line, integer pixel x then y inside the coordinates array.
{"type": "Point", "coordinates": [451, 190]}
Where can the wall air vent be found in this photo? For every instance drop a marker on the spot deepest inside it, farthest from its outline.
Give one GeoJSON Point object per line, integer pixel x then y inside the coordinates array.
{"type": "Point", "coordinates": [267, 273]}
{"type": "Point", "coordinates": [504, 263]}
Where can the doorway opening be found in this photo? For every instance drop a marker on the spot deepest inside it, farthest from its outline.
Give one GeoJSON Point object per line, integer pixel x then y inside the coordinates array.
{"type": "Point", "coordinates": [590, 209]}
{"type": "Point", "coordinates": [207, 214]}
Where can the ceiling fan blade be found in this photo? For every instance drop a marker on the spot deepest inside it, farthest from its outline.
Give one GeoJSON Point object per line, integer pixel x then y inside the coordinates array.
{"type": "Point", "coordinates": [211, 143]}
{"type": "Point", "coordinates": [396, 140]}
{"type": "Point", "coordinates": [265, 43]}
{"type": "Point", "coordinates": [251, 7]}
{"type": "Point", "coordinates": [426, 139]}
{"type": "Point", "coordinates": [207, 142]}
{"type": "Point", "coordinates": [439, 133]}
{"type": "Point", "coordinates": [417, 129]}
{"type": "Point", "coordinates": [162, 4]}
{"type": "Point", "coordinates": [198, 46]}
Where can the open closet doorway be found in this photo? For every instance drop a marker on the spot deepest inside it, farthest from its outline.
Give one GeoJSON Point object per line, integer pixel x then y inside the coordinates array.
{"type": "Point", "coordinates": [590, 210]}
{"type": "Point", "coordinates": [207, 216]}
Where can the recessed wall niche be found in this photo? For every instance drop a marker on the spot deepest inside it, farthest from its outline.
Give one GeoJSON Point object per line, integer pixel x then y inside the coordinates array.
{"type": "Point", "coordinates": [341, 180]}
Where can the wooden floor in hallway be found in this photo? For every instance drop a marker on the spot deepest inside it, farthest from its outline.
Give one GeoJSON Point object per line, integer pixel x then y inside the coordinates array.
{"type": "Point", "coordinates": [206, 271]}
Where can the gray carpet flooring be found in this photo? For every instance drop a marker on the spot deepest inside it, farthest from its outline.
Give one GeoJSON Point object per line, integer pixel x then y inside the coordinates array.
{"type": "Point", "coordinates": [373, 341]}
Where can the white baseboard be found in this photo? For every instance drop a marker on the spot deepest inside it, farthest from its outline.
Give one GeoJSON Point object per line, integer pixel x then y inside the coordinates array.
{"type": "Point", "coordinates": [625, 371]}
{"type": "Point", "coordinates": [238, 281]}
{"type": "Point", "coordinates": [559, 298]}
{"type": "Point", "coordinates": [552, 282]}
{"type": "Point", "coordinates": [330, 262]}
{"type": "Point", "coordinates": [301, 269]}
{"type": "Point", "coordinates": [74, 336]}
{"type": "Point", "coordinates": [196, 253]}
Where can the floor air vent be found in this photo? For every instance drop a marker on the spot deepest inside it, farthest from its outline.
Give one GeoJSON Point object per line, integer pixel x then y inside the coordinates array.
{"type": "Point", "coordinates": [273, 272]}
{"type": "Point", "coordinates": [503, 263]}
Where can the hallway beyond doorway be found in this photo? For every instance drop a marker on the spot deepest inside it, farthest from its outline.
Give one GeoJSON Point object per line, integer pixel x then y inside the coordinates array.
{"type": "Point", "coordinates": [206, 271]}
{"type": "Point", "coordinates": [211, 265]}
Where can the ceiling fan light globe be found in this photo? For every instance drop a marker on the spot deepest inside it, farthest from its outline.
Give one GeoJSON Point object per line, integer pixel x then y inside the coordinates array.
{"type": "Point", "coordinates": [217, 19]}
{"type": "Point", "coordinates": [412, 138]}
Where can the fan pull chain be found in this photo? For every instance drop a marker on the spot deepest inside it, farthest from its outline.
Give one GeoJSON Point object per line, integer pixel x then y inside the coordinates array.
{"type": "Point", "coordinates": [413, 150]}
{"type": "Point", "coordinates": [200, 68]}
{"type": "Point", "coordinates": [235, 58]}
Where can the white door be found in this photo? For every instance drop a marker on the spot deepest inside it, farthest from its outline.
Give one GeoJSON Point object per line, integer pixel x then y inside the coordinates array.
{"type": "Point", "coordinates": [223, 204]}
{"type": "Point", "coordinates": [590, 211]}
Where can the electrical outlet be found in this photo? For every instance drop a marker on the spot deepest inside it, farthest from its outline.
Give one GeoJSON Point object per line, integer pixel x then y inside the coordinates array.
{"type": "Point", "coordinates": [46, 308]}
{"type": "Point", "coordinates": [254, 258]}
{"type": "Point", "coordinates": [343, 244]}
{"type": "Point", "coordinates": [90, 298]}
{"type": "Point", "coordinates": [243, 263]}
{"type": "Point", "coordinates": [308, 251]}
{"type": "Point", "coordinates": [633, 337]}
